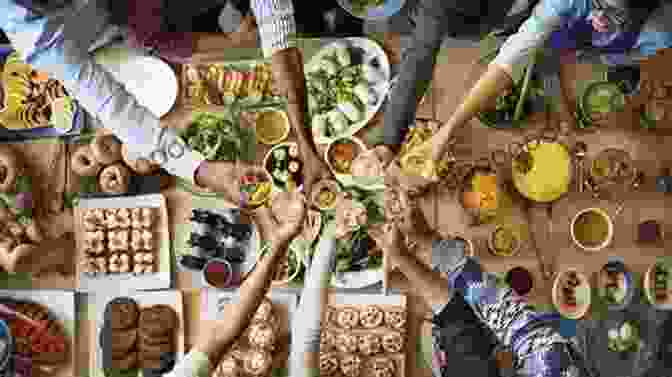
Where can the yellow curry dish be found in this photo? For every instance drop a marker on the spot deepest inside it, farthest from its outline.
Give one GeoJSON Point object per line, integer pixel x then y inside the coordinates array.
{"type": "Point", "coordinates": [272, 127]}
{"type": "Point", "coordinates": [543, 173]}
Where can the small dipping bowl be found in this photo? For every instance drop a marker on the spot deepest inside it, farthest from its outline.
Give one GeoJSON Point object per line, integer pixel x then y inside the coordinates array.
{"type": "Point", "coordinates": [218, 273]}
{"type": "Point", "coordinates": [6, 346]}
{"type": "Point", "coordinates": [520, 280]}
{"type": "Point", "coordinates": [592, 247]}
{"type": "Point", "coordinates": [515, 242]}
{"type": "Point", "coordinates": [616, 265]}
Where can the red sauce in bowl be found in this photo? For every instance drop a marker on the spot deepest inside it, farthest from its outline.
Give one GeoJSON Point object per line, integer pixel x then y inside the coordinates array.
{"type": "Point", "coordinates": [218, 274]}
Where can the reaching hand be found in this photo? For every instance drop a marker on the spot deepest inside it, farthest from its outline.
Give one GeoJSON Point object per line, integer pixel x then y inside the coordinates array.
{"type": "Point", "coordinates": [314, 170]}
{"type": "Point", "coordinates": [385, 155]}
{"type": "Point", "coordinates": [406, 213]}
{"type": "Point", "coordinates": [224, 177]}
{"type": "Point", "coordinates": [289, 212]}
{"type": "Point", "coordinates": [392, 241]}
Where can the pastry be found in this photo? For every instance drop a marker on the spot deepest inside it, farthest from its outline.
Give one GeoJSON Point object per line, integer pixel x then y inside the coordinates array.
{"type": "Point", "coordinates": [142, 218]}
{"type": "Point", "coordinates": [328, 363]}
{"type": "Point", "coordinates": [396, 318]}
{"type": "Point", "coordinates": [330, 316]}
{"type": "Point", "coordinates": [122, 313]}
{"type": "Point", "coordinates": [143, 258]}
{"type": "Point", "coordinates": [94, 219]}
{"type": "Point", "coordinates": [115, 179]}
{"type": "Point", "coordinates": [237, 351]}
{"type": "Point", "coordinates": [142, 240]}
{"type": "Point", "coordinates": [228, 367]}
{"type": "Point", "coordinates": [327, 340]}
{"type": "Point", "coordinates": [154, 351]}
{"type": "Point", "coordinates": [154, 340]}
{"type": "Point", "coordinates": [346, 342]}
{"type": "Point", "coordinates": [147, 362]}
{"type": "Point", "coordinates": [106, 149]}
{"type": "Point", "coordinates": [371, 317]}
{"type": "Point", "coordinates": [158, 320]}
{"type": "Point", "coordinates": [351, 365]}
{"type": "Point", "coordinates": [393, 342]}
{"type": "Point", "coordinates": [369, 344]}
{"type": "Point", "coordinates": [347, 318]}
{"type": "Point", "coordinates": [261, 335]}
{"type": "Point", "coordinates": [139, 269]}
{"type": "Point", "coordinates": [264, 312]}
{"type": "Point", "coordinates": [257, 362]}
{"type": "Point", "coordinates": [119, 263]}
{"type": "Point", "coordinates": [117, 240]}
{"type": "Point", "coordinates": [128, 361]}
{"type": "Point", "coordinates": [123, 341]}
{"type": "Point", "coordinates": [380, 367]}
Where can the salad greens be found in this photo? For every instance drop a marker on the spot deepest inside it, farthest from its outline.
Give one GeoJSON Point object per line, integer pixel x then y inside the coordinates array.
{"type": "Point", "coordinates": [624, 339]}
{"type": "Point", "coordinates": [219, 136]}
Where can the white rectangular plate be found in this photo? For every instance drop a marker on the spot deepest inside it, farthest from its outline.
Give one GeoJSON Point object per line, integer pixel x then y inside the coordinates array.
{"type": "Point", "coordinates": [127, 281]}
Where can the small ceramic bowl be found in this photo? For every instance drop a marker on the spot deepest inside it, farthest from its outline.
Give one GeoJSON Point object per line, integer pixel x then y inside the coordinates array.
{"type": "Point", "coordinates": [627, 284]}
{"type": "Point", "coordinates": [608, 238]}
{"type": "Point", "coordinates": [582, 293]}
{"type": "Point", "coordinates": [215, 264]}
{"type": "Point", "coordinates": [329, 185]}
{"type": "Point", "coordinates": [516, 243]}
{"type": "Point", "coordinates": [649, 281]}
{"type": "Point", "coordinates": [345, 178]}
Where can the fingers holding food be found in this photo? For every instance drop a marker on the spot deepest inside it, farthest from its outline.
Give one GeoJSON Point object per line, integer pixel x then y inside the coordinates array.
{"type": "Point", "coordinates": [115, 179]}
{"type": "Point", "coordinates": [106, 149]}
{"type": "Point", "coordinates": [140, 166]}
{"type": "Point", "coordinates": [84, 163]}
{"type": "Point", "coordinates": [9, 169]}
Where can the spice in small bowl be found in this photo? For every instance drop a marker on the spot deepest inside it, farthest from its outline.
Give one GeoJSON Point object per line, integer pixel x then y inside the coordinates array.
{"type": "Point", "coordinates": [504, 242]}
{"type": "Point", "coordinates": [520, 280]}
{"type": "Point", "coordinates": [218, 273]}
{"type": "Point", "coordinates": [649, 232]}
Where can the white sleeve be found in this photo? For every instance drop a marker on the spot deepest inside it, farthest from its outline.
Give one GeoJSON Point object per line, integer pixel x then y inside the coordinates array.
{"type": "Point", "coordinates": [277, 26]}
{"type": "Point", "coordinates": [64, 55]}
{"type": "Point", "coordinates": [194, 364]}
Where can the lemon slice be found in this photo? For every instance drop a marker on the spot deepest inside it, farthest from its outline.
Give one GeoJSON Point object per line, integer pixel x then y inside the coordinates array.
{"type": "Point", "coordinates": [62, 114]}
{"type": "Point", "coordinates": [272, 127]}
{"type": "Point", "coordinates": [261, 194]}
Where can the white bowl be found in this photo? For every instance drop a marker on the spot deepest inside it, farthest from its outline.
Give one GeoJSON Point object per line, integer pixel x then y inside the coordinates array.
{"type": "Point", "coordinates": [610, 232]}
{"type": "Point", "coordinates": [581, 310]}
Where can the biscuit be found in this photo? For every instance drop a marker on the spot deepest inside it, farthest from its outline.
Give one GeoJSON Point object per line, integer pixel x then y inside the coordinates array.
{"type": "Point", "coordinates": [369, 344]}
{"type": "Point", "coordinates": [148, 339]}
{"type": "Point", "coordinates": [328, 363]}
{"type": "Point", "coordinates": [351, 365]}
{"type": "Point", "coordinates": [156, 350]}
{"type": "Point", "coordinates": [158, 320]}
{"type": "Point", "coordinates": [122, 313]}
{"type": "Point", "coordinates": [129, 361]}
{"type": "Point", "coordinates": [380, 367]}
{"type": "Point", "coordinates": [346, 343]}
{"type": "Point", "coordinates": [371, 317]}
{"type": "Point", "coordinates": [122, 342]}
{"type": "Point", "coordinates": [393, 342]}
{"type": "Point", "coordinates": [347, 318]}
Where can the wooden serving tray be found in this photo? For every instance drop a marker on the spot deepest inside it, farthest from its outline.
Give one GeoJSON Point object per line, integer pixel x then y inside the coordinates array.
{"type": "Point", "coordinates": [126, 281]}
{"type": "Point", "coordinates": [144, 299]}
{"type": "Point", "coordinates": [361, 301]}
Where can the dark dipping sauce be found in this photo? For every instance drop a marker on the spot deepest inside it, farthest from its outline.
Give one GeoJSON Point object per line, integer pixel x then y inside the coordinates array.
{"type": "Point", "coordinates": [218, 274]}
{"type": "Point", "coordinates": [520, 280]}
{"type": "Point", "coordinates": [649, 232]}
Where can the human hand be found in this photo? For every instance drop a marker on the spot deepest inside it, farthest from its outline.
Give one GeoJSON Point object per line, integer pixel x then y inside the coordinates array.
{"type": "Point", "coordinates": [289, 212]}
{"type": "Point", "coordinates": [314, 170]}
{"type": "Point", "coordinates": [406, 213]}
{"type": "Point", "coordinates": [224, 177]}
{"type": "Point", "coordinates": [392, 241]}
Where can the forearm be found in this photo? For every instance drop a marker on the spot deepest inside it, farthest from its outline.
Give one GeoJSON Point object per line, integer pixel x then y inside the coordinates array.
{"type": "Point", "coordinates": [304, 358]}
{"type": "Point", "coordinates": [238, 313]}
{"type": "Point", "coordinates": [495, 81]}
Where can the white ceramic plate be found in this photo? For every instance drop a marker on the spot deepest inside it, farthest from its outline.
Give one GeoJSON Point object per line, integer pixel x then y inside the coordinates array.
{"type": "Point", "coordinates": [388, 9]}
{"type": "Point", "coordinates": [149, 79]}
{"type": "Point", "coordinates": [583, 294]}
{"type": "Point", "coordinates": [367, 51]}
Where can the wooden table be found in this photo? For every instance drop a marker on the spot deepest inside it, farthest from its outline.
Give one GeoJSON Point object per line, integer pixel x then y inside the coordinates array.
{"type": "Point", "coordinates": [454, 74]}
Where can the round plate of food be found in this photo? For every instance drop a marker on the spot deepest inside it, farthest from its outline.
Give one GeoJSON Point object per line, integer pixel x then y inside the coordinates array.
{"type": "Point", "coordinates": [341, 155]}
{"type": "Point", "coordinates": [372, 10]}
{"type": "Point", "coordinates": [347, 83]}
{"type": "Point", "coordinates": [657, 283]}
{"type": "Point", "coordinates": [599, 99]}
{"type": "Point", "coordinates": [571, 294]}
{"type": "Point", "coordinates": [284, 165]}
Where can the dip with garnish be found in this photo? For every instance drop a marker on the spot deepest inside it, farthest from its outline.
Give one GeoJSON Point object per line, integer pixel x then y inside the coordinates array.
{"type": "Point", "coordinates": [255, 189]}
{"type": "Point", "coordinates": [592, 229]}
{"type": "Point", "coordinates": [218, 273]}
{"type": "Point", "coordinates": [543, 172]}
{"type": "Point", "coordinates": [325, 194]}
{"type": "Point", "coordinates": [341, 155]}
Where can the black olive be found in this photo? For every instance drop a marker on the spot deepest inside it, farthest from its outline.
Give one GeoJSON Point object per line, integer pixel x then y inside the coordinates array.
{"type": "Point", "coordinates": [235, 255]}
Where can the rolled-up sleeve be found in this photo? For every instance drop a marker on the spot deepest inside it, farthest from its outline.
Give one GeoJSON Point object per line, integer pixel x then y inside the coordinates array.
{"type": "Point", "coordinates": [64, 56]}
{"type": "Point", "coordinates": [277, 26]}
{"type": "Point", "coordinates": [195, 364]}
{"type": "Point", "coordinates": [547, 17]}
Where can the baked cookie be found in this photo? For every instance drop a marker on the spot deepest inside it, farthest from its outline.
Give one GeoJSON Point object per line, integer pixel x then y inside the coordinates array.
{"type": "Point", "coordinates": [328, 363]}
{"type": "Point", "coordinates": [129, 361]}
{"type": "Point", "coordinates": [122, 313]}
{"type": "Point", "coordinates": [380, 367]}
{"type": "Point", "coordinates": [264, 312]}
{"type": "Point", "coordinates": [257, 362]}
{"type": "Point", "coordinates": [393, 342]}
{"type": "Point", "coordinates": [396, 318]}
{"type": "Point", "coordinates": [369, 344]}
{"type": "Point", "coordinates": [261, 335]}
{"type": "Point", "coordinates": [237, 350]}
{"type": "Point", "coordinates": [371, 317]}
{"type": "Point", "coordinates": [148, 339]}
{"type": "Point", "coordinates": [94, 219]}
{"type": "Point", "coordinates": [228, 367]}
{"type": "Point", "coordinates": [347, 318]}
{"type": "Point", "coordinates": [346, 343]}
{"type": "Point", "coordinates": [158, 320]}
{"type": "Point", "coordinates": [154, 351]}
{"type": "Point", "coordinates": [122, 341]}
{"type": "Point", "coordinates": [149, 363]}
{"type": "Point", "coordinates": [351, 365]}
{"type": "Point", "coordinates": [327, 340]}
{"type": "Point", "coordinates": [330, 316]}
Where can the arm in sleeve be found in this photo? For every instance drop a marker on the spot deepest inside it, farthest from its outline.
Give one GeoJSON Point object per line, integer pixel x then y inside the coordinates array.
{"type": "Point", "coordinates": [277, 27]}
{"type": "Point", "coordinates": [416, 72]}
{"type": "Point", "coordinates": [194, 364]}
{"type": "Point", "coordinates": [656, 34]}
{"type": "Point", "coordinates": [307, 326]}
{"type": "Point", "coordinates": [64, 56]}
{"type": "Point", "coordinates": [547, 17]}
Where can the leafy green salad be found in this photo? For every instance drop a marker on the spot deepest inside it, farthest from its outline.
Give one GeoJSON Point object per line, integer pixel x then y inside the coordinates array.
{"type": "Point", "coordinates": [220, 137]}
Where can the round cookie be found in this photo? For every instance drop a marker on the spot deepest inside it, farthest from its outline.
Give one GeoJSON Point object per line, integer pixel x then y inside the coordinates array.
{"type": "Point", "coordinates": [228, 367]}
{"type": "Point", "coordinates": [264, 312]}
{"type": "Point", "coordinates": [122, 341]}
{"type": "Point", "coordinates": [122, 313]}
{"type": "Point", "coordinates": [154, 340]}
{"type": "Point", "coordinates": [158, 320]}
{"type": "Point", "coordinates": [393, 342]}
{"type": "Point", "coordinates": [155, 351]}
{"type": "Point", "coordinates": [396, 319]}
{"type": "Point", "coordinates": [380, 367]}
{"type": "Point", "coordinates": [129, 361]}
{"type": "Point", "coordinates": [346, 343]}
{"type": "Point", "coordinates": [261, 335]}
{"type": "Point", "coordinates": [351, 365]}
{"type": "Point", "coordinates": [328, 363]}
{"type": "Point", "coordinates": [257, 362]}
{"type": "Point", "coordinates": [347, 318]}
{"type": "Point", "coordinates": [369, 344]}
{"type": "Point", "coordinates": [327, 340]}
{"type": "Point", "coordinates": [371, 317]}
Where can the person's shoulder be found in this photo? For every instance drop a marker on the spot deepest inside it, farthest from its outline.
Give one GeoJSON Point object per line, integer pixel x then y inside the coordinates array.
{"type": "Point", "coordinates": [567, 8]}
